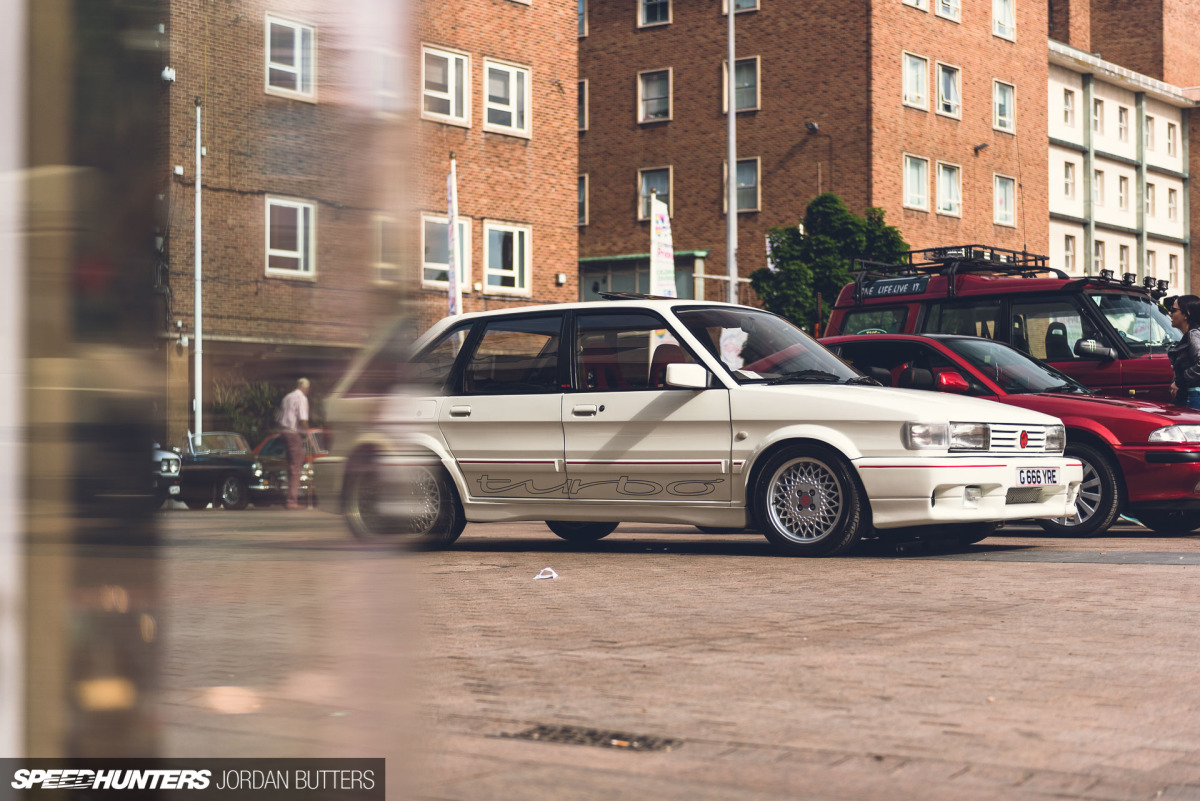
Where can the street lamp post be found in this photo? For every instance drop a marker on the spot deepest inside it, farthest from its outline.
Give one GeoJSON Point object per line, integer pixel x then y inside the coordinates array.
{"type": "Point", "coordinates": [731, 233]}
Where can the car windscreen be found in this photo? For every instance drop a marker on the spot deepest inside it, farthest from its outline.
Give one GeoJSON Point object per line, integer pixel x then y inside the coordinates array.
{"type": "Point", "coordinates": [1139, 322]}
{"type": "Point", "coordinates": [757, 346]}
{"type": "Point", "coordinates": [1014, 371]}
{"type": "Point", "coordinates": [220, 443]}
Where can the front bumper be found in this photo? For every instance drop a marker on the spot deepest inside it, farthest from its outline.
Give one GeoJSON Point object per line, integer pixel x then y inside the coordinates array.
{"type": "Point", "coordinates": [914, 491]}
{"type": "Point", "coordinates": [1166, 476]}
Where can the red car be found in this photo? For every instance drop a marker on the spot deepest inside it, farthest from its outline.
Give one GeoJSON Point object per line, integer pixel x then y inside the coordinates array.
{"type": "Point", "coordinates": [1140, 458]}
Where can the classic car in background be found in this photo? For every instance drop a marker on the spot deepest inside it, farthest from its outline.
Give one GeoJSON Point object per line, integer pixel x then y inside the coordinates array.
{"type": "Point", "coordinates": [218, 467]}
{"type": "Point", "coordinates": [165, 470]}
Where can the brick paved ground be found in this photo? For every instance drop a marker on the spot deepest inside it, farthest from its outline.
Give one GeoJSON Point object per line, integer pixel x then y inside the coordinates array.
{"type": "Point", "coordinates": [1020, 668]}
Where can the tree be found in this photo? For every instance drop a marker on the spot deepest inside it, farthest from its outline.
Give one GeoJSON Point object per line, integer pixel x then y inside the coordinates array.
{"type": "Point", "coordinates": [821, 259]}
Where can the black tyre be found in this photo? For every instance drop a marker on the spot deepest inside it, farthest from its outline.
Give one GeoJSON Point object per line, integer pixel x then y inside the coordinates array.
{"type": "Point", "coordinates": [196, 505]}
{"type": "Point", "coordinates": [808, 503]}
{"type": "Point", "coordinates": [1170, 523]}
{"type": "Point", "coordinates": [971, 533]}
{"type": "Point", "coordinates": [233, 493]}
{"type": "Point", "coordinates": [421, 509]}
{"type": "Point", "coordinates": [1099, 501]}
{"type": "Point", "coordinates": [576, 531]}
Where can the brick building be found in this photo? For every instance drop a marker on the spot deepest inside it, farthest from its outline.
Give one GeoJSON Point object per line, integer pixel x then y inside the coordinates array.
{"type": "Point", "coordinates": [931, 109]}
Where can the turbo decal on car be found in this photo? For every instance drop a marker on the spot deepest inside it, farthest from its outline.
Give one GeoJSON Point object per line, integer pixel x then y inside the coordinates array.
{"type": "Point", "coordinates": [626, 486]}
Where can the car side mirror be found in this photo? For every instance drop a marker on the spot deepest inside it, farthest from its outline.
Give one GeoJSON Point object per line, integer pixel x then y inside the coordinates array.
{"type": "Point", "coordinates": [1091, 349]}
{"type": "Point", "coordinates": [688, 376]}
{"type": "Point", "coordinates": [952, 381]}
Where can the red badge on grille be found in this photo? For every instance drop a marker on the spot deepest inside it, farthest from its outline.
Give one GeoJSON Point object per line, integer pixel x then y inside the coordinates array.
{"type": "Point", "coordinates": [1024, 439]}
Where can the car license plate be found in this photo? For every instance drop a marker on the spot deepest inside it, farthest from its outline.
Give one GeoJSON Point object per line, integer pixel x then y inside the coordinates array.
{"type": "Point", "coordinates": [173, 489]}
{"type": "Point", "coordinates": [1037, 476]}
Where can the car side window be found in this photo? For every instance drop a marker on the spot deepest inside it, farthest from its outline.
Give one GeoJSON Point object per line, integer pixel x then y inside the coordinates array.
{"type": "Point", "coordinates": [619, 351]}
{"type": "Point", "coordinates": [968, 319]}
{"type": "Point", "coordinates": [393, 363]}
{"type": "Point", "coordinates": [1048, 329]}
{"type": "Point", "coordinates": [875, 321]}
{"type": "Point", "coordinates": [274, 447]}
{"type": "Point", "coordinates": [515, 356]}
{"type": "Point", "coordinates": [906, 365]}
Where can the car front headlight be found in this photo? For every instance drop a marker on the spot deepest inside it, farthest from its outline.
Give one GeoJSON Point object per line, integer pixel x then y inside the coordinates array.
{"type": "Point", "coordinates": [257, 469]}
{"type": "Point", "coordinates": [923, 436]}
{"type": "Point", "coordinates": [169, 466]}
{"type": "Point", "coordinates": [1176, 434]}
{"type": "Point", "coordinates": [970, 436]}
{"type": "Point", "coordinates": [1056, 439]}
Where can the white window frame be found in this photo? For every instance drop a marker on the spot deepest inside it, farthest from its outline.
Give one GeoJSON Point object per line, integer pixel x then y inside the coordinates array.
{"type": "Point", "coordinates": [1149, 132]}
{"type": "Point", "coordinates": [948, 9]}
{"type": "Point", "coordinates": [1000, 27]}
{"type": "Point", "coordinates": [586, 204]}
{"type": "Point", "coordinates": [1172, 204]}
{"type": "Point", "coordinates": [725, 8]}
{"type": "Point", "coordinates": [922, 5]}
{"type": "Point", "coordinates": [923, 204]}
{"type": "Point", "coordinates": [582, 18]}
{"type": "Point", "coordinates": [1069, 252]}
{"type": "Point", "coordinates": [523, 272]}
{"type": "Point", "coordinates": [1123, 259]}
{"type": "Point", "coordinates": [946, 210]}
{"type": "Point", "coordinates": [382, 268]}
{"type": "Point", "coordinates": [997, 121]}
{"type": "Point", "coordinates": [1150, 199]}
{"type": "Point", "coordinates": [642, 212]}
{"type": "Point", "coordinates": [1098, 116]}
{"type": "Point", "coordinates": [641, 15]}
{"type": "Point", "coordinates": [922, 100]}
{"type": "Point", "coordinates": [1173, 268]}
{"type": "Point", "coordinates": [757, 184]}
{"type": "Point", "coordinates": [1069, 107]}
{"type": "Point", "coordinates": [1069, 179]}
{"type": "Point", "coordinates": [303, 71]}
{"type": "Point", "coordinates": [997, 180]}
{"type": "Point", "coordinates": [464, 118]}
{"type": "Point", "coordinates": [1123, 123]}
{"type": "Point", "coordinates": [957, 113]}
{"type": "Point", "coordinates": [584, 100]}
{"type": "Point", "coordinates": [1152, 263]}
{"type": "Point", "coordinates": [641, 117]}
{"type": "Point", "coordinates": [757, 84]}
{"type": "Point", "coordinates": [513, 70]}
{"type": "Point", "coordinates": [308, 261]}
{"type": "Point", "coordinates": [1123, 192]}
{"type": "Point", "coordinates": [1172, 139]}
{"type": "Point", "coordinates": [1097, 256]}
{"type": "Point", "coordinates": [464, 255]}
{"type": "Point", "coordinates": [1097, 187]}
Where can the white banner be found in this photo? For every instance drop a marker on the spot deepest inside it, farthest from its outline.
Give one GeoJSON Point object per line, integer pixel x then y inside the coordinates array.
{"type": "Point", "coordinates": [662, 252]}
{"type": "Point", "coordinates": [452, 272]}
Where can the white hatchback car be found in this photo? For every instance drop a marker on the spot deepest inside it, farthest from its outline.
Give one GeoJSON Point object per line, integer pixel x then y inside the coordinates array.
{"type": "Point", "coordinates": [587, 415]}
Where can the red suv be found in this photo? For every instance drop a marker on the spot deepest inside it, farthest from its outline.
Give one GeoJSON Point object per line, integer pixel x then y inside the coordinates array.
{"type": "Point", "coordinates": [1108, 334]}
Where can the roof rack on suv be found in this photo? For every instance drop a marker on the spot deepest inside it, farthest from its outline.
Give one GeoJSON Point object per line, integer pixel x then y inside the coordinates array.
{"type": "Point", "coordinates": [953, 261]}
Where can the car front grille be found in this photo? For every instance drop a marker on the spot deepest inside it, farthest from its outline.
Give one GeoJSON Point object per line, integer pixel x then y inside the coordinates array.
{"type": "Point", "coordinates": [1023, 495]}
{"type": "Point", "coordinates": [1007, 439]}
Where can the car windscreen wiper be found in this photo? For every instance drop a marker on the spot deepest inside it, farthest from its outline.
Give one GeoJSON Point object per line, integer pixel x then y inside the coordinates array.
{"type": "Point", "coordinates": [864, 379]}
{"type": "Point", "coordinates": [815, 376]}
{"type": "Point", "coordinates": [1072, 388]}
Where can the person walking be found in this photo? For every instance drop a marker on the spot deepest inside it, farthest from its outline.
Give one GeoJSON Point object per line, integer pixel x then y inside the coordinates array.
{"type": "Point", "coordinates": [293, 423]}
{"type": "Point", "coordinates": [1185, 354]}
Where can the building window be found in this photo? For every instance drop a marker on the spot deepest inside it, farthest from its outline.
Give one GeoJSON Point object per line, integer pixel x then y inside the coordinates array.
{"type": "Point", "coordinates": [506, 98]}
{"type": "Point", "coordinates": [1069, 253]}
{"type": "Point", "coordinates": [388, 93]}
{"type": "Point", "coordinates": [582, 13]}
{"type": "Point", "coordinates": [949, 186]}
{"type": "Point", "coordinates": [916, 81]}
{"type": "Point", "coordinates": [654, 96]}
{"type": "Point", "coordinates": [1123, 259]}
{"type": "Point", "coordinates": [1068, 108]}
{"type": "Point", "coordinates": [445, 80]}
{"type": "Point", "coordinates": [1004, 20]}
{"type": "Point", "coordinates": [747, 185]}
{"type": "Point", "coordinates": [1149, 132]}
{"type": "Point", "coordinates": [1004, 200]}
{"type": "Point", "coordinates": [1122, 123]}
{"type": "Point", "coordinates": [1097, 257]}
{"type": "Point", "coordinates": [1122, 193]}
{"type": "Point", "coordinates": [921, 4]}
{"type": "Point", "coordinates": [916, 183]}
{"type": "Point", "coordinates": [435, 247]}
{"type": "Point", "coordinates": [1172, 205]}
{"type": "Point", "coordinates": [655, 12]}
{"type": "Point", "coordinates": [583, 105]}
{"type": "Point", "coordinates": [387, 250]}
{"type": "Point", "coordinates": [291, 58]}
{"type": "Point", "coordinates": [1098, 116]}
{"type": "Point", "coordinates": [1151, 263]}
{"type": "Point", "coordinates": [948, 91]}
{"type": "Point", "coordinates": [506, 257]}
{"type": "Point", "coordinates": [1173, 269]}
{"type": "Point", "coordinates": [1149, 200]}
{"type": "Point", "coordinates": [657, 181]}
{"type": "Point", "coordinates": [950, 9]}
{"type": "Point", "coordinates": [583, 200]}
{"type": "Point", "coordinates": [1069, 179]}
{"type": "Point", "coordinates": [1004, 117]}
{"type": "Point", "coordinates": [1098, 188]}
{"type": "Point", "coordinates": [1172, 134]}
{"type": "Point", "coordinates": [746, 93]}
{"type": "Point", "coordinates": [291, 228]}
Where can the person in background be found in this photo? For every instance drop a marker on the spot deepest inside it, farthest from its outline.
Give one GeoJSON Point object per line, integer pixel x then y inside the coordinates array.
{"type": "Point", "coordinates": [293, 422]}
{"type": "Point", "coordinates": [1185, 354]}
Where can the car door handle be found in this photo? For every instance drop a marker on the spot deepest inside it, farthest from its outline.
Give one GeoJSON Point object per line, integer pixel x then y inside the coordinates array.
{"type": "Point", "coordinates": [585, 410]}
{"type": "Point", "coordinates": [460, 411]}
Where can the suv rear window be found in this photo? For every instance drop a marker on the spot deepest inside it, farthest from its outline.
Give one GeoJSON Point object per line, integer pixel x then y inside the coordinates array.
{"type": "Point", "coordinates": [875, 321]}
{"type": "Point", "coordinates": [974, 318]}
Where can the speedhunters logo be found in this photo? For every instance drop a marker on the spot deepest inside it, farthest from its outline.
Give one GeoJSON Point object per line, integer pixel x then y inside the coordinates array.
{"type": "Point", "coordinates": [350, 779]}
